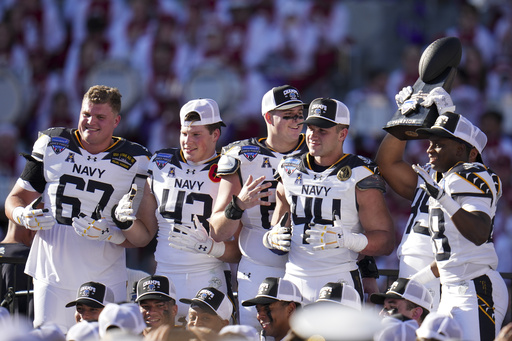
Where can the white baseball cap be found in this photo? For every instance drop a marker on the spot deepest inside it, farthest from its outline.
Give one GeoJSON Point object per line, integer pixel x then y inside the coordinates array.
{"type": "Point", "coordinates": [274, 289]}
{"type": "Point", "coordinates": [207, 109]}
{"type": "Point", "coordinates": [280, 98]}
{"type": "Point", "coordinates": [327, 112]}
{"type": "Point", "coordinates": [125, 316]}
{"type": "Point", "coordinates": [340, 293]}
{"type": "Point", "coordinates": [440, 327]}
{"type": "Point", "coordinates": [396, 330]}
{"type": "Point", "coordinates": [83, 331]}
{"type": "Point", "coordinates": [454, 125]}
{"type": "Point", "coordinates": [407, 289]}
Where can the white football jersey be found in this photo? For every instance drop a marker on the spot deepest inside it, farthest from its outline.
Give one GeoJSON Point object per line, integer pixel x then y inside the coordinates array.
{"type": "Point", "coordinates": [73, 181]}
{"type": "Point", "coordinates": [475, 188]}
{"type": "Point", "coordinates": [254, 157]}
{"type": "Point", "coordinates": [416, 236]}
{"type": "Point", "coordinates": [182, 190]}
{"type": "Point", "coordinates": [313, 197]}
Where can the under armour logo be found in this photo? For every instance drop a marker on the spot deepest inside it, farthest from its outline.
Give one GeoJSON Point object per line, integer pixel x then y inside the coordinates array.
{"type": "Point", "coordinates": [105, 231]}
{"type": "Point", "coordinates": [247, 274]}
{"type": "Point", "coordinates": [191, 171]}
{"type": "Point", "coordinates": [317, 177]}
{"type": "Point", "coordinates": [93, 158]}
{"type": "Point", "coordinates": [201, 247]}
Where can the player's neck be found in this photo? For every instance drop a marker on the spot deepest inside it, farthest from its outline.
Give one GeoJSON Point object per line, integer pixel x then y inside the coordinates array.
{"type": "Point", "coordinates": [280, 145]}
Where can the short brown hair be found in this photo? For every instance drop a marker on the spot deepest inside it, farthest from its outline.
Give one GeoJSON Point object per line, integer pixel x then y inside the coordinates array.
{"type": "Point", "coordinates": [100, 94]}
{"type": "Point", "coordinates": [194, 117]}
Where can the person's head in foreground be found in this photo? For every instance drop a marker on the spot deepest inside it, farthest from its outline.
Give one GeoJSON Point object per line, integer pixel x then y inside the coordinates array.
{"type": "Point", "coordinates": [276, 301]}
{"type": "Point", "coordinates": [125, 317]}
{"type": "Point", "coordinates": [439, 327]}
{"type": "Point", "coordinates": [156, 297]}
{"type": "Point", "coordinates": [90, 300]}
{"type": "Point", "coordinates": [406, 297]}
{"type": "Point", "coordinates": [210, 308]}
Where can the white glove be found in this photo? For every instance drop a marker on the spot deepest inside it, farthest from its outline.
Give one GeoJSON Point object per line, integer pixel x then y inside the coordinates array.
{"type": "Point", "coordinates": [441, 99]}
{"type": "Point", "coordinates": [403, 95]}
{"type": "Point", "coordinates": [97, 229]}
{"type": "Point", "coordinates": [195, 239]}
{"type": "Point", "coordinates": [279, 236]}
{"type": "Point", "coordinates": [325, 237]}
{"type": "Point", "coordinates": [123, 215]}
{"type": "Point", "coordinates": [33, 218]}
{"type": "Point", "coordinates": [431, 187]}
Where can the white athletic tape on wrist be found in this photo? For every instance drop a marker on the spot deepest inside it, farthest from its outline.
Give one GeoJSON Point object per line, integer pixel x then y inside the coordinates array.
{"type": "Point", "coordinates": [355, 241]}
{"type": "Point", "coordinates": [424, 276]}
{"type": "Point", "coordinates": [17, 215]}
{"type": "Point", "coordinates": [218, 249]}
{"type": "Point", "coordinates": [449, 205]}
{"type": "Point", "coordinates": [117, 236]}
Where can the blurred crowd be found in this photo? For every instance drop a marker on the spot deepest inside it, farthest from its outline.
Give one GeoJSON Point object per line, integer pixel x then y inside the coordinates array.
{"type": "Point", "coordinates": [161, 53]}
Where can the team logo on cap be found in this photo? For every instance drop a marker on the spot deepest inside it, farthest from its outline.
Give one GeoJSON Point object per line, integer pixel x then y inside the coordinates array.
{"type": "Point", "coordinates": [291, 93]}
{"type": "Point", "coordinates": [325, 292]}
{"type": "Point", "coordinates": [263, 288]}
{"type": "Point", "coordinates": [250, 152]}
{"type": "Point", "coordinates": [205, 295]}
{"type": "Point", "coordinates": [87, 291]}
{"type": "Point", "coordinates": [58, 144]}
{"type": "Point", "coordinates": [344, 173]}
{"type": "Point", "coordinates": [151, 285]}
{"type": "Point", "coordinates": [318, 109]}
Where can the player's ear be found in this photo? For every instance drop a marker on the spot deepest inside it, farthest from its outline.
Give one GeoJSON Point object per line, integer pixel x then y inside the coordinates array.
{"type": "Point", "coordinates": [268, 117]}
{"type": "Point", "coordinates": [117, 119]}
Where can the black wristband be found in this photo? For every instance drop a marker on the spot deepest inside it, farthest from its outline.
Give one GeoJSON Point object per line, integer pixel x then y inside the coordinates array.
{"type": "Point", "coordinates": [368, 267]}
{"type": "Point", "coordinates": [121, 225]}
{"type": "Point", "coordinates": [232, 211]}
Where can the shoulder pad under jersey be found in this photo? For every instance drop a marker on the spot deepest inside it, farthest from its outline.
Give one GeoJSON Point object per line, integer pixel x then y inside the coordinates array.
{"type": "Point", "coordinates": [227, 165]}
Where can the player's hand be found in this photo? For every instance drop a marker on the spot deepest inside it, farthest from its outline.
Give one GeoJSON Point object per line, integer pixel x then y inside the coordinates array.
{"type": "Point", "coordinates": [33, 218]}
{"type": "Point", "coordinates": [97, 228]}
{"type": "Point", "coordinates": [326, 237]}
{"type": "Point", "coordinates": [429, 185]}
{"type": "Point", "coordinates": [441, 98]}
{"type": "Point", "coordinates": [403, 95]}
{"type": "Point", "coordinates": [252, 193]}
{"type": "Point", "coordinates": [123, 215]}
{"type": "Point", "coordinates": [195, 239]}
{"type": "Point", "coordinates": [279, 236]}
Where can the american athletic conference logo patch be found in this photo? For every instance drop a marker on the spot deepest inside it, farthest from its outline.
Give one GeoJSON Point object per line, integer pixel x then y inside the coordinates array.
{"type": "Point", "coordinates": [58, 144]}
{"type": "Point", "coordinates": [250, 152]}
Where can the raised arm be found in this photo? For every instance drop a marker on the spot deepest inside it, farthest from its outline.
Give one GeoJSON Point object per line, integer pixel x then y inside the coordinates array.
{"type": "Point", "coordinates": [398, 173]}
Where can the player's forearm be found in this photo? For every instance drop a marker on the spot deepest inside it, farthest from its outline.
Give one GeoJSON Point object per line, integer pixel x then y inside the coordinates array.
{"type": "Point", "coordinates": [380, 243]}
{"type": "Point", "coordinates": [232, 253]}
{"type": "Point", "coordinates": [474, 226]}
{"type": "Point", "coordinates": [222, 228]}
{"type": "Point", "coordinates": [138, 235]}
